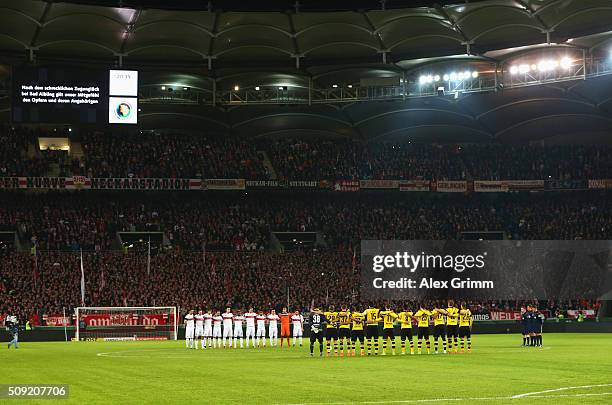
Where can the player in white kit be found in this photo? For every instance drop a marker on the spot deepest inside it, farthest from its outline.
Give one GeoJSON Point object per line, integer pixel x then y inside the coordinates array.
{"type": "Point", "coordinates": [228, 318]}
{"type": "Point", "coordinates": [208, 329]}
{"type": "Point", "coordinates": [261, 328]}
{"type": "Point", "coordinates": [298, 326]}
{"type": "Point", "coordinates": [238, 333]}
{"type": "Point", "coordinates": [250, 326]}
{"type": "Point", "coordinates": [273, 327]}
{"type": "Point", "coordinates": [217, 319]}
{"type": "Point", "coordinates": [189, 329]}
{"type": "Point", "coordinates": [199, 328]}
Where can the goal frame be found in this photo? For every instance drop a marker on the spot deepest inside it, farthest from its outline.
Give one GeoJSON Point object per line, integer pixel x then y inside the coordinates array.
{"type": "Point", "coordinates": [172, 310]}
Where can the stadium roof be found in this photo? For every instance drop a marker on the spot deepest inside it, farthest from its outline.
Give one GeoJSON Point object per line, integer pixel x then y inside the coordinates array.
{"type": "Point", "coordinates": [277, 39]}
{"type": "Point", "coordinates": [183, 43]}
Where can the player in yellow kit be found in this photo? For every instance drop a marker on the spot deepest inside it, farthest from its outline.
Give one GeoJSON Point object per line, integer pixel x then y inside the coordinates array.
{"type": "Point", "coordinates": [331, 331]}
{"type": "Point", "coordinates": [405, 320]}
{"type": "Point", "coordinates": [439, 321]}
{"type": "Point", "coordinates": [357, 331]}
{"type": "Point", "coordinates": [371, 319]}
{"type": "Point", "coordinates": [388, 317]}
{"type": "Point", "coordinates": [344, 330]}
{"type": "Point", "coordinates": [452, 326]}
{"type": "Point", "coordinates": [465, 327]}
{"type": "Point", "coordinates": [422, 317]}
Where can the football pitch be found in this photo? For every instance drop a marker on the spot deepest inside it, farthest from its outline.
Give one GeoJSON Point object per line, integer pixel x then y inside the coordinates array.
{"type": "Point", "coordinates": [570, 368]}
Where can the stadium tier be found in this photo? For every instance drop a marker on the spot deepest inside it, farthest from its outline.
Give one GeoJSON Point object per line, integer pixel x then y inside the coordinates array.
{"type": "Point", "coordinates": [306, 202]}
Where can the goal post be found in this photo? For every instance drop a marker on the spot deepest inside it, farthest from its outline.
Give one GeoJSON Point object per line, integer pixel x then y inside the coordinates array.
{"type": "Point", "coordinates": [126, 323]}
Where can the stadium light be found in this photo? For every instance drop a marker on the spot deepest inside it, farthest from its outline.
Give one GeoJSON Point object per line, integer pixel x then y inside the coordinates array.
{"type": "Point", "coordinates": [474, 74]}
{"type": "Point", "coordinates": [453, 76]}
{"type": "Point", "coordinates": [446, 77]}
{"type": "Point", "coordinates": [422, 79]}
{"type": "Point", "coordinates": [466, 74]}
{"type": "Point", "coordinates": [236, 88]}
{"type": "Point", "coordinates": [163, 88]}
{"type": "Point", "coordinates": [335, 86]}
{"type": "Point", "coordinates": [460, 76]}
{"type": "Point", "coordinates": [256, 88]}
{"type": "Point", "coordinates": [565, 63]}
{"type": "Point", "coordinates": [436, 78]}
{"type": "Point", "coordinates": [429, 78]}
{"type": "Point", "coordinates": [350, 86]}
{"type": "Point", "coordinates": [513, 70]}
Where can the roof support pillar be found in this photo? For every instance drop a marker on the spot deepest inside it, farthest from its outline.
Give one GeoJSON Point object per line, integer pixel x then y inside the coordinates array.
{"type": "Point", "coordinates": [214, 93]}
{"type": "Point", "coordinates": [310, 91]}
{"type": "Point", "coordinates": [468, 47]}
{"type": "Point", "coordinates": [31, 55]}
{"type": "Point", "coordinates": [584, 64]}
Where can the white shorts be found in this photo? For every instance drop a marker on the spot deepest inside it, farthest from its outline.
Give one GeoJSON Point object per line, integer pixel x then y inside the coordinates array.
{"type": "Point", "coordinates": [216, 332]}
{"type": "Point", "coordinates": [227, 332]}
{"type": "Point", "coordinates": [261, 332]}
{"type": "Point", "coordinates": [238, 333]}
{"type": "Point", "coordinates": [250, 332]}
{"type": "Point", "coordinates": [297, 331]}
{"type": "Point", "coordinates": [189, 333]}
{"type": "Point", "coordinates": [199, 332]}
{"type": "Point", "coordinates": [208, 331]}
{"type": "Point", "coordinates": [273, 332]}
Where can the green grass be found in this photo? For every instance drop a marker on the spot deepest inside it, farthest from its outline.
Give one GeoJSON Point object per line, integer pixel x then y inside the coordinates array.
{"type": "Point", "coordinates": [167, 373]}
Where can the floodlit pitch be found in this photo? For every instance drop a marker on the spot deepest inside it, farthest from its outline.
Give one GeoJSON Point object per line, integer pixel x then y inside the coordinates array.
{"type": "Point", "coordinates": [570, 368]}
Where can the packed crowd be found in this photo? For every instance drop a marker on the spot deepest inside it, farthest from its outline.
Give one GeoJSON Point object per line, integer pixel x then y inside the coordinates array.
{"type": "Point", "coordinates": [177, 278]}
{"type": "Point", "coordinates": [148, 155]}
{"type": "Point", "coordinates": [338, 159]}
{"type": "Point", "coordinates": [197, 156]}
{"type": "Point", "coordinates": [14, 149]}
{"type": "Point", "coordinates": [90, 221]}
{"type": "Point", "coordinates": [49, 282]}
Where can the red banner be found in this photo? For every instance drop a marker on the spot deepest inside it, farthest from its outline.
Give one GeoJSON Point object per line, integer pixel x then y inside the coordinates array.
{"type": "Point", "coordinates": [380, 184]}
{"type": "Point", "coordinates": [56, 320]}
{"type": "Point", "coordinates": [505, 315]}
{"type": "Point", "coordinates": [125, 319]}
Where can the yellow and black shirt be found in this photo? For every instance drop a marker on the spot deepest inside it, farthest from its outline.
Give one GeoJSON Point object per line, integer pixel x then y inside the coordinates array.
{"type": "Point", "coordinates": [332, 319]}
{"type": "Point", "coordinates": [358, 318]}
{"type": "Point", "coordinates": [344, 319]}
{"type": "Point", "coordinates": [371, 316]}
{"type": "Point", "coordinates": [422, 317]}
{"type": "Point", "coordinates": [389, 318]}
{"type": "Point", "coordinates": [405, 319]}
{"type": "Point", "coordinates": [452, 319]}
{"type": "Point", "coordinates": [465, 319]}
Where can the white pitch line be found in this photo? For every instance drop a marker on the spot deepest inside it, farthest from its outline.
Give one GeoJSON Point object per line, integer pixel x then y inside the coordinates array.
{"type": "Point", "coordinates": [527, 395]}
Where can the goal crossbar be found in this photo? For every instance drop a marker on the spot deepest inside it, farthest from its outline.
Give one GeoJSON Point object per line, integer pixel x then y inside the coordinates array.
{"type": "Point", "coordinates": [126, 323]}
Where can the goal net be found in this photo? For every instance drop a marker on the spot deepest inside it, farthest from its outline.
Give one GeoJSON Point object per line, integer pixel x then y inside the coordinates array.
{"type": "Point", "coordinates": [126, 323]}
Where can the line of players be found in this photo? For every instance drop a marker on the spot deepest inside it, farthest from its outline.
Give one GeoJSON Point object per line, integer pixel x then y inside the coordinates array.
{"type": "Point", "coordinates": [226, 330]}
{"type": "Point", "coordinates": [346, 327]}
{"type": "Point", "coordinates": [532, 321]}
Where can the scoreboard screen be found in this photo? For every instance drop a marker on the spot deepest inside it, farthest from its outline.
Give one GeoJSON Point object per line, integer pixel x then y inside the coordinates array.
{"type": "Point", "coordinates": [74, 96]}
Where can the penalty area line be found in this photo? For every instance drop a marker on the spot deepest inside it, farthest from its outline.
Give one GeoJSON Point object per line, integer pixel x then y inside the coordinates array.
{"type": "Point", "coordinates": [533, 394]}
{"type": "Point", "coordinates": [528, 395]}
